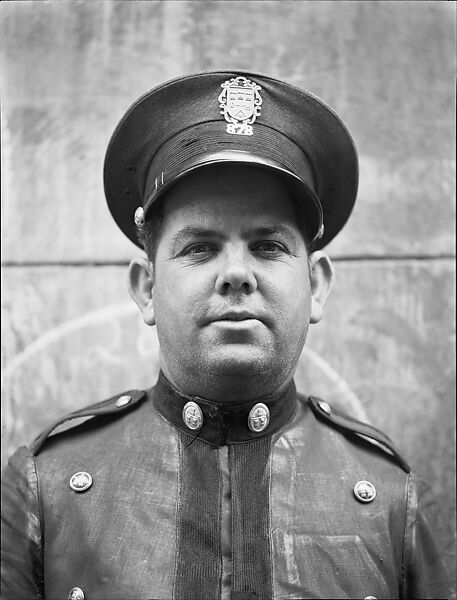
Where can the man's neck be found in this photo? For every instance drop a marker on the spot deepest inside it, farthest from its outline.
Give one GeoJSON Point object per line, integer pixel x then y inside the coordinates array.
{"type": "Point", "coordinates": [228, 388]}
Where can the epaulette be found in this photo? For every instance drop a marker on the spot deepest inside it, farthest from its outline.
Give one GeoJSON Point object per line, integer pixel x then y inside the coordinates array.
{"type": "Point", "coordinates": [118, 404]}
{"type": "Point", "coordinates": [339, 420]}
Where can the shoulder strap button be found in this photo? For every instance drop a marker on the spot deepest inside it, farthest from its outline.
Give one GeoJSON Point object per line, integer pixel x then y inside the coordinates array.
{"type": "Point", "coordinates": [325, 407]}
{"type": "Point", "coordinates": [123, 401]}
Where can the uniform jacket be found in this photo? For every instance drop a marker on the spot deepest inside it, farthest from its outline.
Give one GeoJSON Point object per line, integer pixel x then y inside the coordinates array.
{"type": "Point", "coordinates": [222, 513]}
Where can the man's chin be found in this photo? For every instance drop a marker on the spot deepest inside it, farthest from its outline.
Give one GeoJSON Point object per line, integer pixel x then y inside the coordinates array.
{"type": "Point", "coordinates": [238, 360]}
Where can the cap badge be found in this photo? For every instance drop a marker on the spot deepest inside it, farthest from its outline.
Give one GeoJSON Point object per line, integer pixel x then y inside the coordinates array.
{"type": "Point", "coordinates": [240, 103]}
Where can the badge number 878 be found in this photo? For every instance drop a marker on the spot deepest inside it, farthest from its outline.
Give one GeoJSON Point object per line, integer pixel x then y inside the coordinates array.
{"type": "Point", "coordinates": [239, 129]}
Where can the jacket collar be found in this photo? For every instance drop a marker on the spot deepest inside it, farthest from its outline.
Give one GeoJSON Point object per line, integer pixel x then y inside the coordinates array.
{"type": "Point", "coordinates": [224, 423]}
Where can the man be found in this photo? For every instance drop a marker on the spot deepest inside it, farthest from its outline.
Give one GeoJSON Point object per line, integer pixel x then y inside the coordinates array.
{"type": "Point", "coordinates": [221, 481]}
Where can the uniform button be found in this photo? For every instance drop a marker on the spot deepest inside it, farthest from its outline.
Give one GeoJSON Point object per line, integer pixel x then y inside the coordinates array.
{"type": "Point", "coordinates": [192, 416]}
{"type": "Point", "coordinates": [364, 491]}
{"type": "Point", "coordinates": [76, 594]}
{"type": "Point", "coordinates": [80, 482]}
{"type": "Point", "coordinates": [123, 400]}
{"type": "Point", "coordinates": [325, 407]}
{"type": "Point", "coordinates": [259, 417]}
{"type": "Point", "coordinates": [370, 598]}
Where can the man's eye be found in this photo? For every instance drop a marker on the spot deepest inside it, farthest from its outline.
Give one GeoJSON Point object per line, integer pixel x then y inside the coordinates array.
{"type": "Point", "coordinates": [198, 249]}
{"type": "Point", "coordinates": [269, 247]}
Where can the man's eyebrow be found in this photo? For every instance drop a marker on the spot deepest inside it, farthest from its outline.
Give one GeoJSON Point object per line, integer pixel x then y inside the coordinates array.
{"type": "Point", "coordinates": [199, 232]}
{"type": "Point", "coordinates": [194, 231]}
{"type": "Point", "coordinates": [277, 229]}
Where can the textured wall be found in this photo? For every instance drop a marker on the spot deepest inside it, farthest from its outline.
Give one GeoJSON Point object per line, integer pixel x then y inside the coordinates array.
{"type": "Point", "coordinates": [71, 334]}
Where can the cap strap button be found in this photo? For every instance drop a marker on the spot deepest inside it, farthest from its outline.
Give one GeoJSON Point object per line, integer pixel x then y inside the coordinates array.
{"type": "Point", "coordinates": [259, 417]}
{"type": "Point", "coordinates": [192, 416]}
{"type": "Point", "coordinates": [139, 217]}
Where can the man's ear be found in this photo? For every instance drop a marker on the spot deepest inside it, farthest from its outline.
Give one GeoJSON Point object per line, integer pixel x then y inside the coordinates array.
{"type": "Point", "coordinates": [321, 275]}
{"type": "Point", "coordinates": [140, 281]}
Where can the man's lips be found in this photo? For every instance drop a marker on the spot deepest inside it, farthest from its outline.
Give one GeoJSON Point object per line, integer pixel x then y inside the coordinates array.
{"type": "Point", "coordinates": [235, 315]}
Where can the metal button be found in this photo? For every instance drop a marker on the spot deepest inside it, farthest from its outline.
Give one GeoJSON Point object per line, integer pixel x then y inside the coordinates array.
{"type": "Point", "coordinates": [123, 400]}
{"type": "Point", "coordinates": [76, 594]}
{"type": "Point", "coordinates": [192, 415]}
{"type": "Point", "coordinates": [325, 407]}
{"type": "Point", "coordinates": [139, 217]}
{"type": "Point", "coordinates": [259, 417]}
{"type": "Point", "coordinates": [370, 598]}
{"type": "Point", "coordinates": [80, 482]}
{"type": "Point", "coordinates": [364, 491]}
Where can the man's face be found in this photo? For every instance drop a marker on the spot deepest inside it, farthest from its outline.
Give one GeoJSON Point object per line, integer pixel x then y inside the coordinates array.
{"type": "Point", "coordinates": [231, 284]}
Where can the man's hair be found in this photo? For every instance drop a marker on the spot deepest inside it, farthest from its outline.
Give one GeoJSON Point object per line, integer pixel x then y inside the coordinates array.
{"type": "Point", "coordinates": [149, 232]}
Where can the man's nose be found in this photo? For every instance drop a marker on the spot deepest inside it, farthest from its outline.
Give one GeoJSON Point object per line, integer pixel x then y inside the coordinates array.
{"type": "Point", "coordinates": [236, 272]}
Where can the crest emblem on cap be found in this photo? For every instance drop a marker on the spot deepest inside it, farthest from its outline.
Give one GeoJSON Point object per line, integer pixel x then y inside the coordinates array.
{"type": "Point", "coordinates": [240, 104]}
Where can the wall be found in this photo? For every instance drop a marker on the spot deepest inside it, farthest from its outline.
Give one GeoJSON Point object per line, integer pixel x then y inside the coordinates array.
{"type": "Point", "coordinates": [71, 335]}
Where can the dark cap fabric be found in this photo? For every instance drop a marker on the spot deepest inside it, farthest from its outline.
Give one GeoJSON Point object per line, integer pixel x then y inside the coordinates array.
{"type": "Point", "coordinates": [234, 117]}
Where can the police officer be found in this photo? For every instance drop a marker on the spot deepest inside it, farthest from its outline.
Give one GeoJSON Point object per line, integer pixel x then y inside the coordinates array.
{"type": "Point", "coordinates": [222, 482]}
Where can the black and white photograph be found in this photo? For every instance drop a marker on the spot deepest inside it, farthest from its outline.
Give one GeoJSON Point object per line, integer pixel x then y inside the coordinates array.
{"type": "Point", "coordinates": [228, 299]}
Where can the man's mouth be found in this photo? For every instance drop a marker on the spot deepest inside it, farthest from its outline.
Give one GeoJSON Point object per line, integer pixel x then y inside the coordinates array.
{"type": "Point", "coordinates": [235, 315]}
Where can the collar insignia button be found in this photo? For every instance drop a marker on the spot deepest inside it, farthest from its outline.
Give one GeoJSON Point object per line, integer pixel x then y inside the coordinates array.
{"type": "Point", "coordinates": [259, 417]}
{"type": "Point", "coordinates": [192, 416]}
